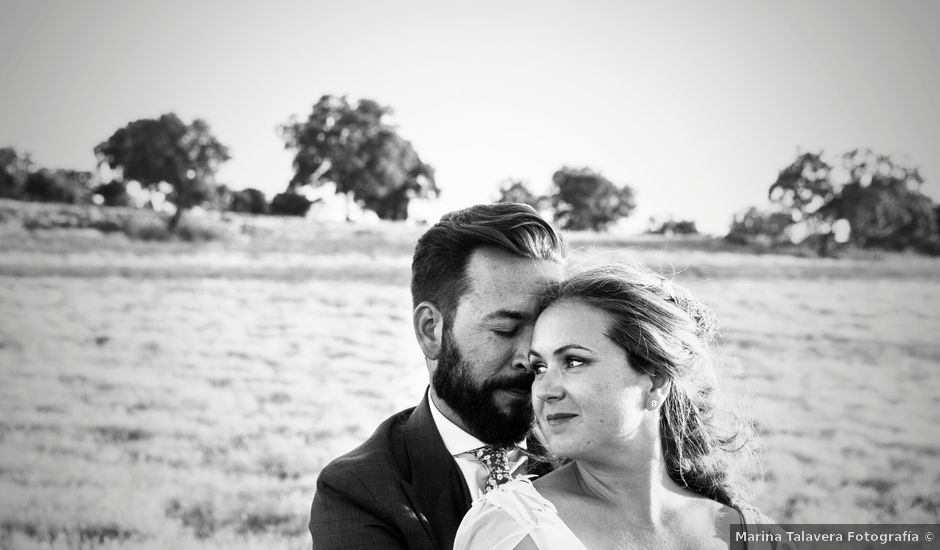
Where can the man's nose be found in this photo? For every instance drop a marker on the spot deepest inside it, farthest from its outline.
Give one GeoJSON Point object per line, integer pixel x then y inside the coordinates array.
{"type": "Point", "coordinates": [520, 358]}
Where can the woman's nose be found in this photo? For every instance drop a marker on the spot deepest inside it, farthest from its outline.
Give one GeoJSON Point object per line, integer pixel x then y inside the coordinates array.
{"type": "Point", "coordinates": [548, 387]}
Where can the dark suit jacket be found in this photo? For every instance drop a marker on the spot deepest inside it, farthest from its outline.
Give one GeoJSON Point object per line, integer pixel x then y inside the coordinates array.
{"type": "Point", "coordinates": [399, 489]}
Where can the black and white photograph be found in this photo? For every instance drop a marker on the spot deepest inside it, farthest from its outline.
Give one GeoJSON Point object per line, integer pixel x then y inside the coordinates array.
{"type": "Point", "coordinates": [491, 275]}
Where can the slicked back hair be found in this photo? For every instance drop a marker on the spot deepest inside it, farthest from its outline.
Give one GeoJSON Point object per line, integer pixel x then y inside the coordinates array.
{"type": "Point", "coordinates": [439, 265]}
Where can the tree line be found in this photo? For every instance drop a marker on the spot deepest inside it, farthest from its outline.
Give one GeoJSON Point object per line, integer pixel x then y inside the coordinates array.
{"type": "Point", "coordinates": [580, 198]}
{"type": "Point", "coordinates": [863, 198]}
{"type": "Point", "coordinates": [349, 144]}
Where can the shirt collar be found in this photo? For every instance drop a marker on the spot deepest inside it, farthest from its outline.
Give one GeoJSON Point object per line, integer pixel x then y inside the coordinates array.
{"type": "Point", "coordinates": [455, 438]}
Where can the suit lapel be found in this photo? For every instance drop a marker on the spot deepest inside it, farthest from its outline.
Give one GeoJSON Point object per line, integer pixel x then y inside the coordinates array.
{"type": "Point", "coordinates": [437, 488]}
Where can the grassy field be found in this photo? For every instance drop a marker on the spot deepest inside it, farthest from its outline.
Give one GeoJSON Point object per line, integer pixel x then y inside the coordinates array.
{"type": "Point", "coordinates": [186, 395]}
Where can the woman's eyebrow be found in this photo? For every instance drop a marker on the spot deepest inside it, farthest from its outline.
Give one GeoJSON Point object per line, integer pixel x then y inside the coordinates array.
{"type": "Point", "coordinates": [563, 349]}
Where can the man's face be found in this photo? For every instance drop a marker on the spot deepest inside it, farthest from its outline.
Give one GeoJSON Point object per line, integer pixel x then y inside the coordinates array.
{"type": "Point", "coordinates": [481, 373]}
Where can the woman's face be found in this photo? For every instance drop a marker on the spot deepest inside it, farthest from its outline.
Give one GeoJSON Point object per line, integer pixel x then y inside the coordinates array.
{"type": "Point", "coordinates": [587, 398]}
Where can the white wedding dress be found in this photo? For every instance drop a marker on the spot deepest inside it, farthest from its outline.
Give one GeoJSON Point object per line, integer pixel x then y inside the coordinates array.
{"type": "Point", "coordinates": [502, 518]}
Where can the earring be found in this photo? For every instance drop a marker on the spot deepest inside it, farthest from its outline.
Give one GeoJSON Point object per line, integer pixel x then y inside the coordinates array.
{"type": "Point", "coordinates": [652, 404]}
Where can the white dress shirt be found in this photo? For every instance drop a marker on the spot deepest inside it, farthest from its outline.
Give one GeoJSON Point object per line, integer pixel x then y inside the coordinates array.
{"type": "Point", "coordinates": [459, 444]}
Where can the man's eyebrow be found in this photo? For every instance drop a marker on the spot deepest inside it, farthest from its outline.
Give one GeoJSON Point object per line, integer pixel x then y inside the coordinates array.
{"type": "Point", "coordinates": [507, 314]}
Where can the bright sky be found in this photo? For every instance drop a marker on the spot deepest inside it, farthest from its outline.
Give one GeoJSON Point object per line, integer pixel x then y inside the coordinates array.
{"type": "Point", "coordinates": [696, 105]}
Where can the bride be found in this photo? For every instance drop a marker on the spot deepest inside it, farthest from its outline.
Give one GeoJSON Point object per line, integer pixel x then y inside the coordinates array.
{"type": "Point", "coordinates": [623, 395]}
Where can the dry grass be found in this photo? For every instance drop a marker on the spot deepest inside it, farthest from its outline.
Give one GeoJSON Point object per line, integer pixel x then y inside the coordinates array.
{"type": "Point", "coordinates": [175, 395]}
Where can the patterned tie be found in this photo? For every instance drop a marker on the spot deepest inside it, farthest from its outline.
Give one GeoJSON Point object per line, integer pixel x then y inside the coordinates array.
{"type": "Point", "coordinates": [496, 460]}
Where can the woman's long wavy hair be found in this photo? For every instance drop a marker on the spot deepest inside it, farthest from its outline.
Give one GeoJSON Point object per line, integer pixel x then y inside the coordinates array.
{"type": "Point", "coordinates": [666, 333]}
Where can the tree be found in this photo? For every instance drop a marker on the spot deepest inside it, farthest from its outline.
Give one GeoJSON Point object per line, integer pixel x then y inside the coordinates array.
{"type": "Point", "coordinates": [113, 193]}
{"type": "Point", "coordinates": [249, 200]}
{"type": "Point", "coordinates": [584, 199]}
{"type": "Point", "coordinates": [19, 181]}
{"type": "Point", "coordinates": [290, 204]}
{"type": "Point", "coordinates": [756, 225]}
{"type": "Point", "coordinates": [672, 227]}
{"type": "Point", "coordinates": [14, 169]}
{"type": "Point", "coordinates": [68, 186]}
{"type": "Point", "coordinates": [803, 189]}
{"type": "Point", "coordinates": [883, 204]}
{"type": "Point", "coordinates": [517, 191]}
{"type": "Point", "coordinates": [165, 150]}
{"type": "Point", "coordinates": [879, 198]}
{"type": "Point", "coordinates": [353, 147]}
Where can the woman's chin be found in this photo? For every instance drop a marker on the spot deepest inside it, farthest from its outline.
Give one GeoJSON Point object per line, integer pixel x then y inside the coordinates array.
{"type": "Point", "coordinates": [558, 446]}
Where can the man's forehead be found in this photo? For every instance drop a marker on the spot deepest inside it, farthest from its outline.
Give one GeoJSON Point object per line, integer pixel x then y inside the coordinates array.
{"type": "Point", "coordinates": [506, 286]}
{"type": "Point", "coordinates": [489, 305]}
{"type": "Point", "coordinates": [494, 263]}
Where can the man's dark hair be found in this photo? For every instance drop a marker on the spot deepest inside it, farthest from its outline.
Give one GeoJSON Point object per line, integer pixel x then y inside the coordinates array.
{"type": "Point", "coordinates": [439, 266]}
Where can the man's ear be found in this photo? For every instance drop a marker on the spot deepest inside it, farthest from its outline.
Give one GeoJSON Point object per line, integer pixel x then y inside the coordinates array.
{"type": "Point", "coordinates": [429, 329]}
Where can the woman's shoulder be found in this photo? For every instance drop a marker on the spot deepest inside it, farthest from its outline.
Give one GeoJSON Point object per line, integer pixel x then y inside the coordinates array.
{"type": "Point", "coordinates": [751, 515]}
{"type": "Point", "coordinates": [759, 530]}
{"type": "Point", "coordinates": [512, 514]}
{"type": "Point", "coordinates": [701, 522]}
{"type": "Point", "coordinates": [519, 500]}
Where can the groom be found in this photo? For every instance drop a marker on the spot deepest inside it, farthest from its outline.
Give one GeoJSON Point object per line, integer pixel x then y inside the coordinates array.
{"type": "Point", "coordinates": [476, 277]}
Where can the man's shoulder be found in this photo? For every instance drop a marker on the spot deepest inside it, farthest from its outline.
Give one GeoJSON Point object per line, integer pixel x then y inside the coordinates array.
{"type": "Point", "coordinates": [360, 500]}
{"type": "Point", "coordinates": [380, 455]}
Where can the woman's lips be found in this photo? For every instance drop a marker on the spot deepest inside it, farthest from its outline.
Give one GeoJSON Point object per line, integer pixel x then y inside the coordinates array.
{"type": "Point", "coordinates": [557, 419]}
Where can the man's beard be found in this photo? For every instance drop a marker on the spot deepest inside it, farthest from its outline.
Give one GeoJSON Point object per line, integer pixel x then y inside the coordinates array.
{"type": "Point", "coordinates": [453, 383]}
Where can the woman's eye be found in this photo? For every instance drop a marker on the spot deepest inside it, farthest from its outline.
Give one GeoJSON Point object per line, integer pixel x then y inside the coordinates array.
{"type": "Point", "coordinates": [539, 368]}
{"type": "Point", "coordinates": [572, 362]}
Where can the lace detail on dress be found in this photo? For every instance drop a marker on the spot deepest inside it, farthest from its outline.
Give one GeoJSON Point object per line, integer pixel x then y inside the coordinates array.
{"type": "Point", "coordinates": [522, 502]}
{"type": "Point", "coordinates": [503, 517]}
